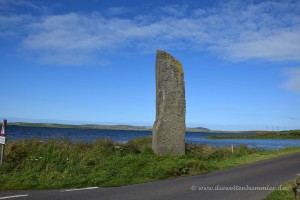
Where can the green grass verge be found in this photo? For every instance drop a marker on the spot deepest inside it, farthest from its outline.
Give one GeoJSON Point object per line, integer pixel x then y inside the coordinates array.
{"type": "Point", "coordinates": [295, 134]}
{"type": "Point", "coordinates": [62, 164]}
{"type": "Point", "coordinates": [281, 195]}
{"type": "Point", "coordinates": [286, 192]}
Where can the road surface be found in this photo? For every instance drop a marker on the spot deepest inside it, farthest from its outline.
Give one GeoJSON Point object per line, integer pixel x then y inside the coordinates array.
{"type": "Point", "coordinates": [253, 181]}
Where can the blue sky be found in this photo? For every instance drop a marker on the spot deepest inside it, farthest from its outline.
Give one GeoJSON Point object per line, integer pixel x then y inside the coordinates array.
{"type": "Point", "coordinates": [93, 61]}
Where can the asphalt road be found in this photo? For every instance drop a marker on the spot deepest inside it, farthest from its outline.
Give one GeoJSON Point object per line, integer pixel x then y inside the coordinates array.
{"type": "Point", "coordinates": [226, 184]}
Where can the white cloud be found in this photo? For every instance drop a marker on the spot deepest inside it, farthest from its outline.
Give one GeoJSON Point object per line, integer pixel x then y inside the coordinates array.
{"type": "Point", "coordinates": [10, 5]}
{"type": "Point", "coordinates": [293, 82]}
{"type": "Point", "coordinates": [235, 30]}
{"type": "Point", "coordinates": [10, 25]}
{"type": "Point", "coordinates": [268, 31]}
{"type": "Point", "coordinates": [76, 39]}
{"type": "Point", "coordinates": [175, 10]}
{"type": "Point", "coordinates": [281, 46]}
{"type": "Point", "coordinates": [16, 14]}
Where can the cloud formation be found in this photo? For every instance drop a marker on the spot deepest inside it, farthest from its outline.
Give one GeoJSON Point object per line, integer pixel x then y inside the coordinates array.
{"type": "Point", "coordinates": [10, 5]}
{"type": "Point", "coordinates": [235, 30]}
{"type": "Point", "coordinates": [293, 82]}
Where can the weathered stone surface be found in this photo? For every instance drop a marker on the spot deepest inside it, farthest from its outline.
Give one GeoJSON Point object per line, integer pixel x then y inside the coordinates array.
{"type": "Point", "coordinates": [168, 135]}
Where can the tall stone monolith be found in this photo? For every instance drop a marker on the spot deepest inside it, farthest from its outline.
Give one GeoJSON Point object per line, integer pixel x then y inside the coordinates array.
{"type": "Point", "coordinates": [168, 135]}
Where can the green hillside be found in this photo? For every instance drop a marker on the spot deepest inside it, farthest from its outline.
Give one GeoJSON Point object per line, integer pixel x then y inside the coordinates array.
{"type": "Point", "coordinates": [96, 126]}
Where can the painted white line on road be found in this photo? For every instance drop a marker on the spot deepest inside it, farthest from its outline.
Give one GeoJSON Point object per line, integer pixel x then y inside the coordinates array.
{"type": "Point", "coordinates": [78, 189]}
{"type": "Point", "coordinates": [16, 196]}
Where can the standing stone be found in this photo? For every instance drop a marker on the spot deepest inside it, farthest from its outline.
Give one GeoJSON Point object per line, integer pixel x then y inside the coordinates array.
{"type": "Point", "coordinates": [169, 128]}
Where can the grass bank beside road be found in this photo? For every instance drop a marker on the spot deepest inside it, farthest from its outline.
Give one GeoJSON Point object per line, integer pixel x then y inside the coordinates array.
{"type": "Point", "coordinates": [62, 164]}
{"type": "Point", "coordinates": [286, 192]}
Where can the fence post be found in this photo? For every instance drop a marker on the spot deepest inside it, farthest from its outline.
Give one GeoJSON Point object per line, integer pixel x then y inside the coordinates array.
{"type": "Point", "coordinates": [2, 154]}
{"type": "Point", "coordinates": [298, 186]}
{"type": "Point", "coordinates": [2, 135]}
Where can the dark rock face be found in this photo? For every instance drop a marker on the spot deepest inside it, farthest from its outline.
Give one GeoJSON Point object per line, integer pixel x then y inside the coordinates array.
{"type": "Point", "coordinates": [169, 127]}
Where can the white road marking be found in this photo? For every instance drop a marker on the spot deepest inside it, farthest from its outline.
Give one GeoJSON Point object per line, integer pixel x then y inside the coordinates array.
{"type": "Point", "coordinates": [16, 196]}
{"type": "Point", "coordinates": [78, 189]}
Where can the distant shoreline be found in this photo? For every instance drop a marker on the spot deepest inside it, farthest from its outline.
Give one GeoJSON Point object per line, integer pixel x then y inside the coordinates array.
{"type": "Point", "coordinates": [127, 127]}
{"type": "Point", "coordinates": [96, 126]}
{"type": "Point", "coordinates": [292, 134]}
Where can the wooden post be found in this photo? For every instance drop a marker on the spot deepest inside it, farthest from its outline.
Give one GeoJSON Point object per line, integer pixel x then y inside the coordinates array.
{"type": "Point", "coordinates": [2, 135]}
{"type": "Point", "coordinates": [298, 186]}
{"type": "Point", "coordinates": [2, 154]}
{"type": "Point", "coordinates": [232, 148]}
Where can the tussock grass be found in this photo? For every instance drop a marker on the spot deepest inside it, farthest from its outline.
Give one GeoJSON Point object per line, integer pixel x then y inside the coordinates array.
{"type": "Point", "coordinates": [34, 164]}
{"type": "Point", "coordinates": [287, 192]}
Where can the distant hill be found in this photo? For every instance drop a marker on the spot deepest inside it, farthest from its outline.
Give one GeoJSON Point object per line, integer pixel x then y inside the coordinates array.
{"type": "Point", "coordinates": [83, 126]}
{"type": "Point", "coordinates": [198, 129]}
{"type": "Point", "coordinates": [96, 126]}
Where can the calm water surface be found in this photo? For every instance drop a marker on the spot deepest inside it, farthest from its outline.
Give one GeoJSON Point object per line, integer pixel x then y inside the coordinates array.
{"type": "Point", "coordinates": [91, 135]}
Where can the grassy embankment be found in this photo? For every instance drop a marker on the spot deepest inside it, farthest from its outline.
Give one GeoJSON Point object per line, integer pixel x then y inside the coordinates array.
{"type": "Point", "coordinates": [63, 164]}
{"type": "Point", "coordinates": [287, 192]}
{"type": "Point", "coordinates": [295, 134]}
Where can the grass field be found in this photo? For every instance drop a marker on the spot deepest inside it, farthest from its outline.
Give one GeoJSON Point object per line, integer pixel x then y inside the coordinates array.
{"type": "Point", "coordinates": [62, 164]}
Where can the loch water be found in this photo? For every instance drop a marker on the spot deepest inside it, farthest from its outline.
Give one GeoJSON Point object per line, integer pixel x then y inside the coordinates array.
{"type": "Point", "coordinates": [91, 135]}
